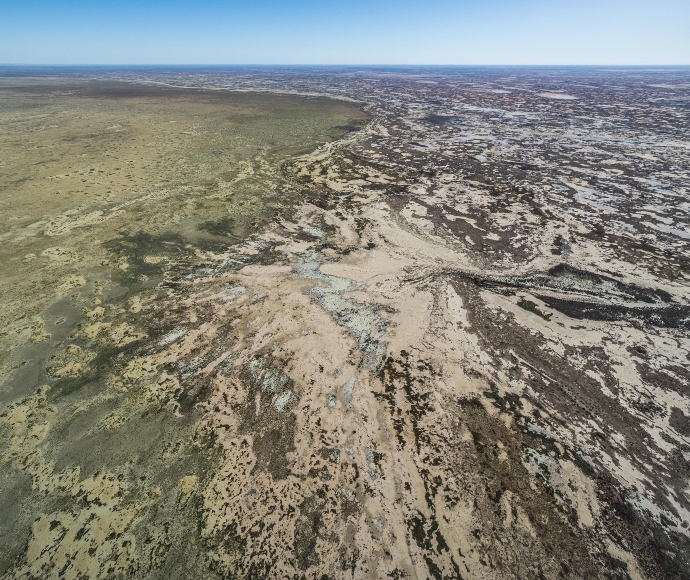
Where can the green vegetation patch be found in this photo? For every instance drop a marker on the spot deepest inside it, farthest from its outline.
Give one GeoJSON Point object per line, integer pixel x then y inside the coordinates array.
{"type": "Point", "coordinates": [533, 308]}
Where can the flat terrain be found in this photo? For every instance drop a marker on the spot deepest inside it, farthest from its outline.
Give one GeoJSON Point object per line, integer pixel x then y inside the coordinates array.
{"type": "Point", "coordinates": [436, 325]}
{"type": "Point", "coordinates": [105, 187]}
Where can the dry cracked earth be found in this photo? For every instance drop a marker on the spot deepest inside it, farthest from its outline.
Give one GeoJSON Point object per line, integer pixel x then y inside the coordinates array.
{"type": "Point", "coordinates": [343, 323]}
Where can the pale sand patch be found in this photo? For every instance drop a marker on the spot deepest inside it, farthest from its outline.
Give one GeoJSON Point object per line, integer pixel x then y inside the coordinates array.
{"type": "Point", "coordinates": [558, 96]}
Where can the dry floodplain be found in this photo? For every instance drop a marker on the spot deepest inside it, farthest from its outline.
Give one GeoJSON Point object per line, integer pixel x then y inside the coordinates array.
{"type": "Point", "coordinates": [345, 324]}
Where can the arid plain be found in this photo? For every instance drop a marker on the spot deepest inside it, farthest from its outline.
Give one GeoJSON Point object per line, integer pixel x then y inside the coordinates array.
{"type": "Point", "coordinates": [345, 324]}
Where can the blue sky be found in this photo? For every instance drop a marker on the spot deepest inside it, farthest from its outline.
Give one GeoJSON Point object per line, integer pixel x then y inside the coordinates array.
{"type": "Point", "coordinates": [345, 32]}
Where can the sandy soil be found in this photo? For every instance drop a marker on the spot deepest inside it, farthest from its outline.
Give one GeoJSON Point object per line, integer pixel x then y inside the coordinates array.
{"type": "Point", "coordinates": [405, 353]}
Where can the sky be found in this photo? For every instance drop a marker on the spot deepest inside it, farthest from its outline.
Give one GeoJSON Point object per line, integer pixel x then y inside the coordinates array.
{"type": "Point", "coordinates": [462, 32]}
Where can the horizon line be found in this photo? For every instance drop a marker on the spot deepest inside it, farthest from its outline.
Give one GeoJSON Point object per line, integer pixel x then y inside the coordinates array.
{"type": "Point", "coordinates": [342, 64]}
